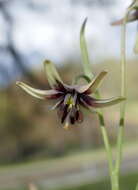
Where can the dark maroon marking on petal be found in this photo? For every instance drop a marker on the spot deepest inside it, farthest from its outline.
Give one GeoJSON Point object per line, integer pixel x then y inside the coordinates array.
{"type": "Point", "coordinates": [60, 87]}
{"type": "Point", "coordinates": [73, 115]}
{"type": "Point", "coordinates": [54, 96]}
{"type": "Point", "coordinates": [83, 103]}
{"type": "Point", "coordinates": [97, 104]}
{"type": "Point", "coordinates": [89, 91]}
{"type": "Point", "coordinates": [87, 99]}
{"type": "Point", "coordinates": [79, 116]}
{"type": "Point", "coordinates": [72, 120]}
{"type": "Point", "coordinates": [65, 113]}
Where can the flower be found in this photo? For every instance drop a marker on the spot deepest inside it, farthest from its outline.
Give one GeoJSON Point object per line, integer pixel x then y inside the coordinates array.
{"type": "Point", "coordinates": [132, 16]}
{"type": "Point", "coordinates": [70, 98]}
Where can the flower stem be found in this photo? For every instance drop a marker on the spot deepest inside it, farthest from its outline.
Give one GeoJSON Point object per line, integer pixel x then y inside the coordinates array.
{"type": "Point", "coordinates": [105, 139]}
{"type": "Point", "coordinates": [123, 94]}
{"type": "Point", "coordinates": [106, 142]}
{"type": "Point", "coordinates": [114, 181]}
{"type": "Point", "coordinates": [87, 71]}
{"type": "Point", "coordinates": [113, 175]}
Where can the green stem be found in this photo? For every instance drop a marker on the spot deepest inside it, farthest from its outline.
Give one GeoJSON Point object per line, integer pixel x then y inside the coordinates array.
{"type": "Point", "coordinates": [115, 181]}
{"type": "Point", "coordinates": [106, 142]}
{"type": "Point", "coordinates": [123, 94]}
{"type": "Point", "coordinates": [113, 176]}
{"type": "Point", "coordinates": [89, 74]}
{"type": "Point", "coordinates": [105, 138]}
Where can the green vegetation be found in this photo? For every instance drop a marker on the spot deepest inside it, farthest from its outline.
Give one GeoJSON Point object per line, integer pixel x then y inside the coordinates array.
{"type": "Point", "coordinates": [127, 183]}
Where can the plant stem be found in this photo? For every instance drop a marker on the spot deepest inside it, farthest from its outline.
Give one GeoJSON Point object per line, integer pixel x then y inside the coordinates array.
{"type": "Point", "coordinates": [87, 71]}
{"type": "Point", "coordinates": [113, 176]}
{"type": "Point", "coordinates": [105, 138]}
{"type": "Point", "coordinates": [123, 94]}
{"type": "Point", "coordinates": [114, 181]}
{"type": "Point", "coordinates": [106, 142]}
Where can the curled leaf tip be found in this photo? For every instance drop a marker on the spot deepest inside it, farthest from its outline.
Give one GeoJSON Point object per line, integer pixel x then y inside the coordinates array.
{"type": "Point", "coordinates": [83, 25]}
{"type": "Point", "coordinates": [47, 62]}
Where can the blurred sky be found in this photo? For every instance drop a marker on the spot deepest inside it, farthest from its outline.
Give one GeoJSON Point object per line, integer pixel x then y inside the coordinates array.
{"type": "Point", "coordinates": [49, 29]}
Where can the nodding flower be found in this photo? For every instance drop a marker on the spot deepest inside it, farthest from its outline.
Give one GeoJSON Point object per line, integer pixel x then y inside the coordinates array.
{"type": "Point", "coordinates": [70, 99]}
{"type": "Point", "coordinates": [130, 17]}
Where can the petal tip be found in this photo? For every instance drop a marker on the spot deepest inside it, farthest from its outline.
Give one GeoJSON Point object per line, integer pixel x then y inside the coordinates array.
{"type": "Point", "coordinates": [105, 72]}
{"type": "Point", "coordinates": [47, 62]}
{"type": "Point", "coordinates": [85, 21]}
{"type": "Point", "coordinates": [18, 83]}
{"type": "Point", "coordinates": [122, 98]}
{"type": "Point", "coordinates": [83, 25]}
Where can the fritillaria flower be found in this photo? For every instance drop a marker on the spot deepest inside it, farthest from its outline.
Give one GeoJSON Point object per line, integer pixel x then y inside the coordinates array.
{"type": "Point", "coordinates": [131, 17]}
{"type": "Point", "coordinates": [70, 98]}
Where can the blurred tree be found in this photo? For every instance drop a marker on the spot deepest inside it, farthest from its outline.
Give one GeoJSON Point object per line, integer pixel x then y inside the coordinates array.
{"type": "Point", "coordinates": [94, 2]}
{"type": "Point", "coordinates": [10, 48]}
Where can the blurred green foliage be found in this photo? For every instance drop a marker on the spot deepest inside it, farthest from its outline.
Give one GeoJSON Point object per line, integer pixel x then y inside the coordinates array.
{"type": "Point", "coordinates": [127, 183]}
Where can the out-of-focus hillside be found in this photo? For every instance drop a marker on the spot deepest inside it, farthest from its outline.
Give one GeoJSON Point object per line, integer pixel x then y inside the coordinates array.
{"type": "Point", "coordinates": [29, 130]}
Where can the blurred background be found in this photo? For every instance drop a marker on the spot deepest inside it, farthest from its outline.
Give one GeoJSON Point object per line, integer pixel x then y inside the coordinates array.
{"type": "Point", "coordinates": [34, 148]}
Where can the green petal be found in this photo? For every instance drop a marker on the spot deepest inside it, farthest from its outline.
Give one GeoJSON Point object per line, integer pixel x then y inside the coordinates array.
{"type": "Point", "coordinates": [41, 94]}
{"type": "Point", "coordinates": [93, 85]}
{"type": "Point", "coordinates": [107, 102]}
{"type": "Point", "coordinates": [51, 72]}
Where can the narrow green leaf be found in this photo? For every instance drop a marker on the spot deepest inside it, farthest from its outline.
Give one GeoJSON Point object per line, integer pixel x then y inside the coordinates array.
{"type": "Point", "coordinates": [51, 72]}
{"type": "Point", "coordinates": [84, 52]}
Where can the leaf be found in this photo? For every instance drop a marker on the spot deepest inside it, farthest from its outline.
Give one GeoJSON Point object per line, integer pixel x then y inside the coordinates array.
{"type": "Point", "coordinates": [84, 52]}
